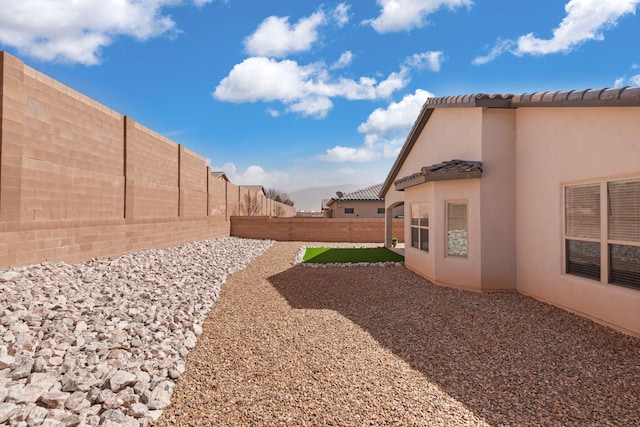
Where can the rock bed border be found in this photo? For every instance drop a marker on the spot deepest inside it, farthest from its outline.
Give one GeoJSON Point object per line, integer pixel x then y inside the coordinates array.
{"type": "Point", "coordinates": [102, 342]}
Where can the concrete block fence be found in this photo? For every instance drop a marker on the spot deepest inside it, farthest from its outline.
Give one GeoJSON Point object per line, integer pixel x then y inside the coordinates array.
{"type": "Point", "coordinates": [79, 180]}
{"type": "Point", "coordinates": [360, 230]}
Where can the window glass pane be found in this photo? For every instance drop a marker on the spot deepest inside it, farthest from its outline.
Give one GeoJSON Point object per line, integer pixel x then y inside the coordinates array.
{"type": "Point", "coordinates": [624, 265]}
{"type": "Point", "coordinates": [415, 233]}
{"type": "Point", "coordinates": [582, 210]}
{"type": "Point", "coordinates": [624, 211]}
{"type": "Point", "coordinates": [380, 210]}
{"type": "Point", "coordinates": [348, 210]}
{"type": "Point", "coordinates": [415, 214]}
{"type": "Point", "coordinates": [457, 229]}
{"type": "Point", "coordinates": [424, 239]}
{"type": "Point", "coordinates": [424, 215]}
{"type": "Point", "coordinates": [583, 259]}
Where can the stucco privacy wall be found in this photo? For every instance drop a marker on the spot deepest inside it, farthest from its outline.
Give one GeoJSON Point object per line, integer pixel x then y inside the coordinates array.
{"type": "Point", "coordinates": [79, 180]}
{"type": "Point", "coordinates": [605, 147]}
{"type": "Point", "coordinates": [362, 230]}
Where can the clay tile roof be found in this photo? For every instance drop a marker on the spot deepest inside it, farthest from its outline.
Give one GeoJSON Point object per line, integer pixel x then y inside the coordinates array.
{"type": "Point", "coordinates": [452, 166]}
{"type": "Point", "coordinates": [364, 194]}
{"type": "Point", "coordinates": [562, 96]}
{"type": "Point", "coordinates": [611, 93]}
{"type": "Point", "coordinates": [579, 98]}
{"type": "Point", "coordinates": [607, 97]}
{"type": "Point", "coordinates": [630, 93]}
{"type": "Point", "coordinates": [445, 171]}
{"type": "Point", "coordinates": [473, 100]}
{"type": "Point", "coordinates": [368, 194]}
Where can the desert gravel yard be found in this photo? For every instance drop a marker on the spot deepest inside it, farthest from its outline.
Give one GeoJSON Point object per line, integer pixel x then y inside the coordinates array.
{"type": "Point", "coordinates": [296, 346]}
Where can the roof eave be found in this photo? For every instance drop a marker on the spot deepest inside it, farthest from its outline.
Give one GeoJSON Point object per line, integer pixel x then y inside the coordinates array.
{"type": "Point", "coordinates": [401, 185]}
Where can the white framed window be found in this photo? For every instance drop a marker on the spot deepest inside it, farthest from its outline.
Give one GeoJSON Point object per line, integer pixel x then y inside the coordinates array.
{"type": "Point", "coordinates": [420, 226]}
{"type": "Point", "coordinates": [457, 229]}
{"type": "Point", "coordinates": [602, 232]}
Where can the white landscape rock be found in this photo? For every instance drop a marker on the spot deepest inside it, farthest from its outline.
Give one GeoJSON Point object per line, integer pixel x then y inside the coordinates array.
{"type": "Point", "coordinates": [101, 342]}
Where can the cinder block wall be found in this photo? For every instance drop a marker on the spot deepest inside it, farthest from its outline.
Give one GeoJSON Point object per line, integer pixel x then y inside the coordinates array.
{"type": "Point", "coordinates": [79, 180]}
{"type": "Point", "coordinates": [361, 230]}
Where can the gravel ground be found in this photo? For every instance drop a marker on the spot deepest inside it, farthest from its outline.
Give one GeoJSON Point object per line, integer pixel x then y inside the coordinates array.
{"type": "Point", "coordinates": [287, 345]}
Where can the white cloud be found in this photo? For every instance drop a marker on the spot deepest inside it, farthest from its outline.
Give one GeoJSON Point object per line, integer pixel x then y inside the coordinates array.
{"type": "Point", "coordinates": [619, 82]}
{"type": "Point", "coordinates": [340, 15]}
{"type": "Point", "coordinates": [76, 31]}
{"type": "Point", "coordinates": [340, 154]}
{"type": "Point", "coordinates": [305, 89]}
{"type": "Point", "coordinates": [399, 15]}
{"type": "Point", "coordinates": [398, 115]}
{"type": "Point", "coordinates": [254, 175]}
{"type": "Point", "coordinates": [265, 79]}
{"type": "Point", "coordinates": [385, 131]}
{"type": "Point", "coordinates": [344, 61]}
{"type": "Point", "coordinates": [635, 80]}
{"type": "Point", "coordinates": [312, 106]}
{"type": "Point", "coordinates": [427, 60]}
{"type": "Point", "coordinates": [500, 47]}
{"type": "Point", "coordinates": [277, 38]}
{"type": "Point", "coordinates": [585, 20]}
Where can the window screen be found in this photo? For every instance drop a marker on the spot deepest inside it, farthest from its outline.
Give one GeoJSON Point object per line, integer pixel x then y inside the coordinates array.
{"type": "Point", "coordinates": [624, 226]}
{"type": "Point", "coordinates": [457, 240]}
{"type": "Point", "coordinates": [624, 211]}
{"type": "Point", "coordinates": [583, 211]}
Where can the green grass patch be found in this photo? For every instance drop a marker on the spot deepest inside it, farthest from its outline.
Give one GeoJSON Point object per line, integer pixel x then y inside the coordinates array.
{"type": "Point", "coordinates": [350, 255]}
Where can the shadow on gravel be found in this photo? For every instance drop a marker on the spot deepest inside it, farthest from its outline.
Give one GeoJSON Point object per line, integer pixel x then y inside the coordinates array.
{"type": "Point", "coordinates": [508, 358]}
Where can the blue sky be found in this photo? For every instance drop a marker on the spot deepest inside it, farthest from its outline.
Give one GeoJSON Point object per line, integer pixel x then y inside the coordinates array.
{"type": "Point", "coordinates": [293, 93]}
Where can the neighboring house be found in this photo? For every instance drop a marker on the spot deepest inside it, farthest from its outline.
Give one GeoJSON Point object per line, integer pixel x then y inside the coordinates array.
{"type": "Point", "coordinates": [255, 189]}
{"type": "Point", "coordinates": [538, 193]}
{"type": "Point", "coordinates": [220, 175]}
{"type": "Point", "coordinates": [363, 203]}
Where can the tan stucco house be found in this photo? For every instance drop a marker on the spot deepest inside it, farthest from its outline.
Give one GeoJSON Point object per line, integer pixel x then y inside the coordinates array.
{"type": "Point", "coordinates": [361, 203]}
{"type": "Point", "coordinates": [537, 193]}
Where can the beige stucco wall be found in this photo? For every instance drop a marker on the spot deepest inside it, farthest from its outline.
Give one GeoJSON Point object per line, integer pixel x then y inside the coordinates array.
{"type": "Point", "coordinates": [360, 209]}
{"type": "Point", "coordinates": [485, 135]}
{"type": "Point", "coordinates": [562, 146]}
{"type": "Point", "coordinates": [498, 199]}
{"type": "Point", "coordinates": [459, 272]}
{"type": "Point", "coordinates": [462, 141]}
{"type": "Point", "coordinates": [449, 134]}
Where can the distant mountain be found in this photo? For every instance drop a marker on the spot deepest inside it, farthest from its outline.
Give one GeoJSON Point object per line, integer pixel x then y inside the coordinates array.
{"type": "Point", "coordinates": [310, 199]}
